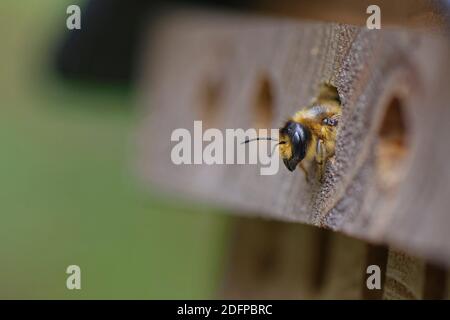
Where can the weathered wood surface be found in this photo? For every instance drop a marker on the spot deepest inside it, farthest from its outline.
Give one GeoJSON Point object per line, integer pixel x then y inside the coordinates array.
{"type": "Point", "coordinates": [389, 181]}
{"type": "Point", "coordinates": [418, 14]}
{"type": "Point", "coordinates": [275, 260]}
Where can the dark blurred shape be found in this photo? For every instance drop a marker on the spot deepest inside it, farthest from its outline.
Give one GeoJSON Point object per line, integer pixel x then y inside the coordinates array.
{"type": "Point", "coordinates": [106, 46]}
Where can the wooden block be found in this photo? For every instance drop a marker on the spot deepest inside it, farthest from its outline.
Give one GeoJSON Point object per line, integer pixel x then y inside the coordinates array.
{"type": "Point", "coordinates": [271, 260]}
{"type": "Point", "coordinates": [388, 182]}
{"type": "Point", "coordinates": [278, 260]}
{"type": "Point", "coordinates": [405, 277]}
{"type": "Point", "coordinates": [345, 268]}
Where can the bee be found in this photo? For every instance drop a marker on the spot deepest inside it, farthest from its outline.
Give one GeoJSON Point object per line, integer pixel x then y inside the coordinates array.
{"type": "Point", "coordinates": [309, 137]}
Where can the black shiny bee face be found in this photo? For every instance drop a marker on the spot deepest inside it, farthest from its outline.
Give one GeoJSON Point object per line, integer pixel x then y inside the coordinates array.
{"type": "Point", "coordinates": [298, 139]}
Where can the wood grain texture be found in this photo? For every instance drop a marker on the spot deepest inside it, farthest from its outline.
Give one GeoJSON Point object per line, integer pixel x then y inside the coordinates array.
{"type": "Point", "coordinates": [405, 277]}
{"type": "Point", "coordinates": [278, 260]}
{"type": "Point", "coordinates": [210, 66]}
{"type": "Point", "coordinates": [419, 14]}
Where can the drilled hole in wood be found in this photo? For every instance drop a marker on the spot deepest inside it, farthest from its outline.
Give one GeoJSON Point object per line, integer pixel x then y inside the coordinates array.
{"type": "Point", "coordinates": [210, 100]}
{"type": "Point", "coordinates": [392, 148]}
{"type": "Point", "coordinates": [263, 108]}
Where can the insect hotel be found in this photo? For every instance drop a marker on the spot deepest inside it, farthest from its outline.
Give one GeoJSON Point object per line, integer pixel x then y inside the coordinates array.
{"type": "Point", "coordinates": [374, 221]}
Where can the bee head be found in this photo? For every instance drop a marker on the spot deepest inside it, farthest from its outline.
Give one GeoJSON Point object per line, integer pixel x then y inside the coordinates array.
{"type": "Point", "coordinates": [294, 140]}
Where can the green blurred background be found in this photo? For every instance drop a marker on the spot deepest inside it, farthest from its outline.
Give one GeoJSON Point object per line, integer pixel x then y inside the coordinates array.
{"type": "Point", "coordinates": [68, 194]}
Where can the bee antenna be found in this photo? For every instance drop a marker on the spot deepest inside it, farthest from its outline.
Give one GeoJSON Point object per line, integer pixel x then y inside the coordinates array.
{"type": "Point", "coordinates": [273, 150]}
{"type": "Point", "coordinates": [259, 138]}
